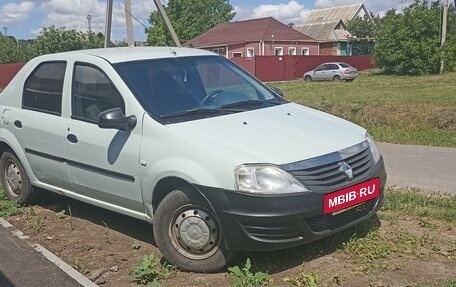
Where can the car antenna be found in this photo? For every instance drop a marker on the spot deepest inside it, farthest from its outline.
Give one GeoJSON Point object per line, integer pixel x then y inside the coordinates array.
{"type": "Point", "coordinates": [172, 51]}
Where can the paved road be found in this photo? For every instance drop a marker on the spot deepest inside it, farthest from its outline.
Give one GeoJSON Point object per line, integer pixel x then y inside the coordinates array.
{"type": "Point", "coordinates": [23, 266]}
{"type": "Point", "coordinates": [426, 168]}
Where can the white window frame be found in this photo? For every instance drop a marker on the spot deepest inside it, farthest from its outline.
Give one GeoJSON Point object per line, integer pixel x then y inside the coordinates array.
{"type": "Point", "coordinates": [278, 49]}
{"type": "Point", "coordinates": [292, 49]}
{"type": "Point", "coordinates": [236, 53]}
{"type": "Point", "coordinates": [250, 52]}
{"type": "Point", "coordinates": [305, 51]}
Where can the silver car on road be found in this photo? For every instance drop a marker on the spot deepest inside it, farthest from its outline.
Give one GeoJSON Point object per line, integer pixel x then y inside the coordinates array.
{"type": "Point", "coordinates": [333, 71]}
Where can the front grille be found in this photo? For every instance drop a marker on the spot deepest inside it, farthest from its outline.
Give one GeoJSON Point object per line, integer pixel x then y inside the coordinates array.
{"type": "Point", "coordinates": [331, 222]}
{"type": "Point", "coordinates": [327, 176]}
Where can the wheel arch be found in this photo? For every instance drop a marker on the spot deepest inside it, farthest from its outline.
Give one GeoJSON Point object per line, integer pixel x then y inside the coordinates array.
{"type": "Point", "coordinates": [166, 185]}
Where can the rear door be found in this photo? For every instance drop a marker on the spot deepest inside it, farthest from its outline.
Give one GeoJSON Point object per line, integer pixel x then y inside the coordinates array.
{"type": "Point", "coordinates": [38, 125]}
{"type": "Point", "coordinates": [332, 70]}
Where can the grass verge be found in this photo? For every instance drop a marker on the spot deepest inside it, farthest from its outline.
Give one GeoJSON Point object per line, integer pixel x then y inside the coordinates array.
{"type": "Point", "coordinates": [7, 207]}
{"type": "Point", "coordinates": [406, 110]}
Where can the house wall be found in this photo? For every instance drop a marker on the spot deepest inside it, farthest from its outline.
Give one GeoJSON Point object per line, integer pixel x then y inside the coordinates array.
{"type": "Point", "coordinates": [269, 48]}
{"type": "Point", "coordinates": [326, 49]}
{"type": "Point", "coordinates": [7, 72]}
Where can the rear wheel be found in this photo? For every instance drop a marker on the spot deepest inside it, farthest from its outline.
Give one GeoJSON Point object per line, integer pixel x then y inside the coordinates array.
{"type": "Point", "coordinates": [308, 78]}
{"type": "Point", "coordinates": [14, 179]}
{"type": "Point", "coordinates": [188, 234]}
{"type": "Point", "coordinates": [336, 78]}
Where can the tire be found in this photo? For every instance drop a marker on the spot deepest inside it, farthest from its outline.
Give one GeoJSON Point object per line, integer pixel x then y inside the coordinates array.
{"type": "Point", "coordinates": [337, 78]}
{"type": "Point", "coordinates": [15, 181]}
{"type": "Point", "coordinates": [308, 79]}
{"type": "Point", "coordinates": [202, 251]}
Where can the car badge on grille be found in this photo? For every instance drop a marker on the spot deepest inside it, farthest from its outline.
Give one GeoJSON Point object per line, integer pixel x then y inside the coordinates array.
{"type": "Point", "coordinates": [347, 169]}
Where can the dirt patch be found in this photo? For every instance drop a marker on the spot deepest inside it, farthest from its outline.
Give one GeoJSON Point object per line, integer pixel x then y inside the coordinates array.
{"type": "Point", "coordinates": [403, 251]}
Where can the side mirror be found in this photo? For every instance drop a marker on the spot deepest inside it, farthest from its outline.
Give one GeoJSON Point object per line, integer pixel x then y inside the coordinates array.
{"type": "Point", "coordinates": [115, 119]}
{"type": "Point", "coordinates": [277, 91]}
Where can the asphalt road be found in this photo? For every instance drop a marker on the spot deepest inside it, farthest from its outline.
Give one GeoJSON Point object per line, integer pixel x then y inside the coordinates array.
{"type": "Point", "coordinates": [426, 168]}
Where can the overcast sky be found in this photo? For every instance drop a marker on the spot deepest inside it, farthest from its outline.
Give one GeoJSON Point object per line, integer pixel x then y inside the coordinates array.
{"type": "Point", "coordinates": [24, 19]}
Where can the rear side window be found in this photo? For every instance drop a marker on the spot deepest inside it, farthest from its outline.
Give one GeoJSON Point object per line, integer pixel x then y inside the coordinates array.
{"type": "Point", "coordinates": [43, 88]}
{"type": "Point", "coordinates": [93, 93]}
{"type": "Point", "coordinates": [344, 65]}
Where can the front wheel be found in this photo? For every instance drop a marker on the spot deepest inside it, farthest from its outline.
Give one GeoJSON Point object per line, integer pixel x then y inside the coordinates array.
{"type": "Point", "coordinates": [188, 234]}
{"type": "Point", "coordinates": [14, 179]}
{"type": "Point", "coordinates": [308, 78]}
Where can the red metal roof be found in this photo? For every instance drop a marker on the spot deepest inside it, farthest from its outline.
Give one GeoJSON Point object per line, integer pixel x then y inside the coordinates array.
{"type": "Point", "coordinates": [248, 31]}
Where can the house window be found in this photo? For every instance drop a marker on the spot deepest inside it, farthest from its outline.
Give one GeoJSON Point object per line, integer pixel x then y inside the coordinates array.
{"type": "Point", "coordinates": [250, 52]}
{"type": "Point", "coordinates": [305, 52]}
{"type": "Point", "coordinates": [220, 51]}
{"type": "Point", "coordinates": [237, 54]}
{"type": "Point", "coordinates": [292, 51]}
{"type": "Point", "coordinates": [278, 51]}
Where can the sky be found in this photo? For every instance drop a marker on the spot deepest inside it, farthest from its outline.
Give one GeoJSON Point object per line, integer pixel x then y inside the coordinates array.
{"type": "Point", "coordinates": [25, 18]}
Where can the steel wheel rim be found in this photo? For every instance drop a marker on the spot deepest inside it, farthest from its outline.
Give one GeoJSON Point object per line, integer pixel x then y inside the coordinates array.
{"type": "Point", "coordinates": [13, 179]}
{"type": "Point", "coordinates": [194, 232]}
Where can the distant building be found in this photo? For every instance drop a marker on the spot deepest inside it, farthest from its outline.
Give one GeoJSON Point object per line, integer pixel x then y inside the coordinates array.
{"type": "Point", "coordinates": [328, 26]}
{"type": "Point", "coordinates": [249, 38]}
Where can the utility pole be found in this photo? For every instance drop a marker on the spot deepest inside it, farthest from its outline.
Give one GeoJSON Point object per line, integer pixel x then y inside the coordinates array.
{"type": "Point", "coordinates": [89, 20]}
{"type": "Point", "coordinates": [168, 25]}
{"type": "Point", "coordinates": [108, 22]}
{"type": "Point", "coordinates": [444, 32]}
{"type": "Point", "coordinates": [129, 23]}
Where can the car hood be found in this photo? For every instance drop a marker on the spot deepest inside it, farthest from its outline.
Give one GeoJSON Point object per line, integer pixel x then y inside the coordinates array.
{"type": "Point", "coordinates": [280, 134]}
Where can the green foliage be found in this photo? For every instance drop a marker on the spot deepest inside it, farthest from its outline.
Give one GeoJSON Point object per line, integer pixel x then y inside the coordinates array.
{"type": "Point", "coordinates": [243, 277]}
{"type": "Point", "coordinates": [362, 31]}
{"type": "Point", "coordinates": [409, 43]}
{"type": "Point", "coordinates": [413, 202]}
{"type": "Point", "coordinates": [150, 270]}
{"type": "Point", "coordinates": [189, 18]}
{"type": "Point", "coordinates": [303, 279]}
{"type": "Point", "coordinates": [55, 40]}
{"type": "Point", "coordinates": [50, 40]}
{"type": "Point", "coordinates": [7, 207]}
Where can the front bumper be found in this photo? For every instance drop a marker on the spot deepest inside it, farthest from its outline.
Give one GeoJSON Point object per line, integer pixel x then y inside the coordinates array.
{"type": "Point", "coordinates": [263, 223]}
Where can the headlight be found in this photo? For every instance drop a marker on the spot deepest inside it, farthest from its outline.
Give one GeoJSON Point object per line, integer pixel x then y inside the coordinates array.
{"type": "Point", "coordinates": [265, 179]}
{"type": "Point", "coordinates": [373, 147]}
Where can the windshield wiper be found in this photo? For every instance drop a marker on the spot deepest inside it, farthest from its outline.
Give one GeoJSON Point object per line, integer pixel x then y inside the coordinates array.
{"type": "Point", "coordinates": [197, 111]}
{"type": "Point", "coordinates": [250, 103]}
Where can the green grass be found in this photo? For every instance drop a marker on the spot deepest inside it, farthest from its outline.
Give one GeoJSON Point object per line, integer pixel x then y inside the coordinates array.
{"type": "Point", "coordinates": [8, 208]}
{"type": "Point", "coordinates": [415, 203]}
{"type": "Point", "coordinates": [406, 110]}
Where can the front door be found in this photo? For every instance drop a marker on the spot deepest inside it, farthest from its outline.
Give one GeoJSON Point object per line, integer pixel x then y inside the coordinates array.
{"type": "Point", "coordinates": [103, 163]}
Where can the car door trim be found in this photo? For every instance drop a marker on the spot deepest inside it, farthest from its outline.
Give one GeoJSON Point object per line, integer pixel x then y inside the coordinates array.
{"type": "Point", "coordinates": [102, 171]}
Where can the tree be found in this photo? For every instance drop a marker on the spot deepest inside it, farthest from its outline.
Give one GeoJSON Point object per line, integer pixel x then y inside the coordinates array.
{"type": "Point", "coordinates": [55, 40]}
{"type": "Point", "coordinates": [362, 30]}
{"type": "Point", "coordinates": [409, 43]}
{"type": "Point", "coordinates": [189, 18]}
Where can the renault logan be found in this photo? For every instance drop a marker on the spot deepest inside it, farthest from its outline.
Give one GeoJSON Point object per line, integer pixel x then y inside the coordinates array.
{"type": "Point", "coordinates": [188, 141]}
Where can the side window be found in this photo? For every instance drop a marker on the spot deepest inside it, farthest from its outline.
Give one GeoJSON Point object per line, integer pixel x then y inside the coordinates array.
{"type": "Point", "coordinates": [333, 67]}
{"type": "Point", "coordinates": [93, 93]}
{"type": "Point", "coordinates": [43, 88]}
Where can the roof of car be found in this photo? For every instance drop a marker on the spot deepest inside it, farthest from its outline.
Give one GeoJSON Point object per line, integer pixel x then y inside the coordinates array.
{"type": "Point", "coordinates": [127, 54]}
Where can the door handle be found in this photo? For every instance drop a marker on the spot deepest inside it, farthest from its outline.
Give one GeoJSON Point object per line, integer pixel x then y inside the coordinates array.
{"type": "Point", "coordinates": [18, 123]}
{"type": "Point", "coordinates": [72, 138]}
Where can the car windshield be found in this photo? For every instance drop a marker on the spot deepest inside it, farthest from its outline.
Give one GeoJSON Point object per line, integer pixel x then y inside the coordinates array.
{"type": "Point", "coordinates": [188, 88]}
{"type": "Point", "coordinates": [344, 65]}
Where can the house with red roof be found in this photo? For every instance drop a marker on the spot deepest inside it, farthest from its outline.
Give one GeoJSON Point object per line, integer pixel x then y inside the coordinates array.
{"type": "Point", "coordinates": [255, 37]}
